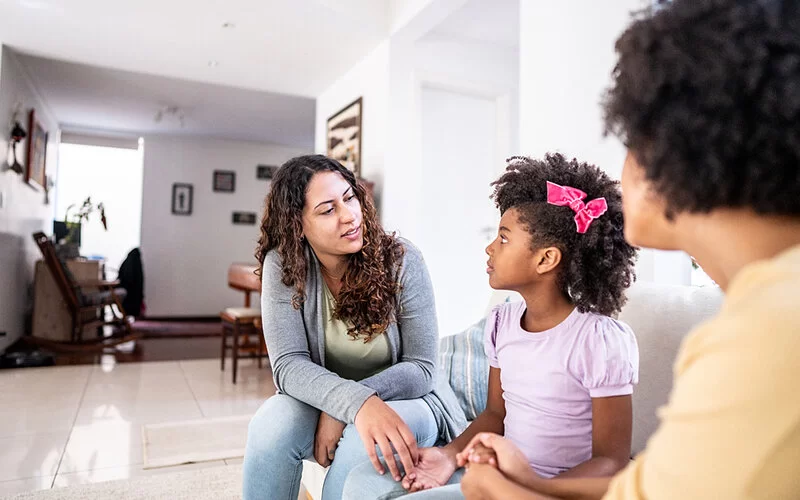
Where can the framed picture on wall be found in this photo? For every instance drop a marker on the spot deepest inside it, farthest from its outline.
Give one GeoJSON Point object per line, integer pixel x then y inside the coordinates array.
{"type": "Point", "coordinates": [224, 181]}
{"type": "Point", "coordinates": [344, 136]}
{"type": "Point", "coordinates": [182, 195]}
{"type": "Point", "coordinates": [247, 218]}
{"type": "Point", "coordinates": [37, 153]}
{"type": "Point", "coordinates": [266, 172]}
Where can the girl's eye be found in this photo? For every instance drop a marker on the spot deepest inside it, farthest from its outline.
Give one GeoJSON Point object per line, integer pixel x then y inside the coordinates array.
{"type": "Point", "coordinates": [350, 197]}
{"type": "Point", "coordinates": [328, 212]}
{"type": "Point", "coordinates": [503, 239]}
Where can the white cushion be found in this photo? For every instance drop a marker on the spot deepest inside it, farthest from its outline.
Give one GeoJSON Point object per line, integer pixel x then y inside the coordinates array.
{"type": "Point", "coordinates": [661, 316]}
{"type": "Point", "coordinates": [243, 312]}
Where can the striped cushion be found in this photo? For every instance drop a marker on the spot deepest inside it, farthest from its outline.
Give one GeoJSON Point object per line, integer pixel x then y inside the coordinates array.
{"type": "Point", "coordinates": [465, 366]}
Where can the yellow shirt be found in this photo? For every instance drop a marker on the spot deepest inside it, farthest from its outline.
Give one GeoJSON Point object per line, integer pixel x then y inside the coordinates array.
{"type": "Point", "coordinates": [347, 357]}
{"type": "Point", "coordinates": [731, 429]}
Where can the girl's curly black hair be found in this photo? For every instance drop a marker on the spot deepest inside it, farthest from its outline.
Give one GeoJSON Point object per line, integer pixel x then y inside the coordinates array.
{"type": "Point", "coordinates": [370, 284]}
{"type": "Point", "coordinates": [596, 267]}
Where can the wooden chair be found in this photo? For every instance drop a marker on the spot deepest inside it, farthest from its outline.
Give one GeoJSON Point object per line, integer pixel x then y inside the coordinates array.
{"type": "Point", "coordinates": [242, 323]}
{"type": "Point", "coordinates": [83, 299]}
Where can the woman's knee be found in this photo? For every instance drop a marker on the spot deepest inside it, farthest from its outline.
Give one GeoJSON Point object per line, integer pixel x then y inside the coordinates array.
{"type": "Point", "coordinates": [282, 425]}
{"type": "Point", "coordinates": [364, 482]}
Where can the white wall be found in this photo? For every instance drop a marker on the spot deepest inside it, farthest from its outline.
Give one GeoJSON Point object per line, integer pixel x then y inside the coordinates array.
{"type": "Point", "coordinates": [368, 79]}
{"type": "Point", "coordinates": [23, 211]}
{"type": "Point", "coordinates": [186, 258]}
{"type": "Point", "coordinates": [566, 58]}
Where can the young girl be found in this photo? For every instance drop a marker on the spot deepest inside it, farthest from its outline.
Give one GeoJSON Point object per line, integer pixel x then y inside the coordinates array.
{"type": "Point", "coordinates": [706, 96]}
{"type": "Point", "coordinates": [562, 369]}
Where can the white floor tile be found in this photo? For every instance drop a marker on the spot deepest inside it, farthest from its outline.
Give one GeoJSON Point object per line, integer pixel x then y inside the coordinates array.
{"type": "Point", "coordinates": [101, 445]}
{"type": "Point", "coordinates": [17, 486]}
{"type": "Point", "coordinates": [142, 411]}
{"type": "Point", "coordinates": [37, 416]}
{"type": "Point", "coordinates": [234, 461]}
{"type": "Point", "coordinates": [125, 472]}
{"type": "Point", "coordinates": [31, 455]}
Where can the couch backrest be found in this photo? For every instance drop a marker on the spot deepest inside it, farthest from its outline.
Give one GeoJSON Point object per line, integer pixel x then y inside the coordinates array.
{"type": "Point", "coordinates": [661, 316]}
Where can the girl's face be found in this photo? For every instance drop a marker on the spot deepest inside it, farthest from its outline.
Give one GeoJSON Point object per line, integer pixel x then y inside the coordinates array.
{"type": "Point", "coordinates": [512, 263]}
{"type": "Point", "coordinates": [332, 216]}
{"type": "Point", "coordinates": [646, 224]}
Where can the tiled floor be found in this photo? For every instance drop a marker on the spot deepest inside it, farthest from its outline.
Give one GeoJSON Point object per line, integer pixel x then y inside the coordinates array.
{"type": "Point", "coordinates": [67, 425]}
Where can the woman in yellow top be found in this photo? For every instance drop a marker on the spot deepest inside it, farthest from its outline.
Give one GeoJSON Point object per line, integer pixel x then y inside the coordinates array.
{"type": "Point", "coordinates": [707, 99]}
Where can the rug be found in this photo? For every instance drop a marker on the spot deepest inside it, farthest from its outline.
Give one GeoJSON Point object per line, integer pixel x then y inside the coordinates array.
{"type": "Point", "coordinates": [162, 329]}
{"type": "Point", "coordinates": [214, 483]}
{"type": "Point", "coordinates": [191, 441]}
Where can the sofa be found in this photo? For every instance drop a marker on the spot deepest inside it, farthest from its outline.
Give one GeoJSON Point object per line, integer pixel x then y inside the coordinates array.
{"type": "Point", "coordinates": [660, 316]}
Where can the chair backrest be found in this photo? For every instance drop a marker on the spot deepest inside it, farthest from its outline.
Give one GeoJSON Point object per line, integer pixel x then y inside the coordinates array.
{"type": "Point", "coordinates": [63, 278]}
{"type": "Point", "coordinates": [661, 316]}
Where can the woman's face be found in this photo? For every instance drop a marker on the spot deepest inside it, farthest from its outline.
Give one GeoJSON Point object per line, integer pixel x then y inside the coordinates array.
{"type": "Point", "coordinates": [646, 224]}
{"type": "Point", "coordinates": [332, 216]}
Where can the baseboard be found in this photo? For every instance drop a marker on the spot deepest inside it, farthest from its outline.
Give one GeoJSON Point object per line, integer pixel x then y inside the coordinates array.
{"type": "Point", "coordinates": [184, 319]}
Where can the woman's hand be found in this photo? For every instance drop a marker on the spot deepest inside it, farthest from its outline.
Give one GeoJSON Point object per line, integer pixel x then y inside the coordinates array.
{"type": "Point", "coordinates": [475, 484]}
{"type": "Point", "coordinates": [434, 469]}
{"type": "Point", "coordinates": [378, 424]}
{"type": "Point", "coordinates": [510, 460]}
{"type": "Point", "coordinates": [329, 432]}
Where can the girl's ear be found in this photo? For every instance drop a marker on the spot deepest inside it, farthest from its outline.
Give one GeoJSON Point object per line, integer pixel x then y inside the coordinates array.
{"type": "Point", "coordinates": [548, 259]}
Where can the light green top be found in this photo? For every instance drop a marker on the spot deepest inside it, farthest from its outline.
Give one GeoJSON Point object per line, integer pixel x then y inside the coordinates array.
{"type": "Point", "coordinates": [347, 357]}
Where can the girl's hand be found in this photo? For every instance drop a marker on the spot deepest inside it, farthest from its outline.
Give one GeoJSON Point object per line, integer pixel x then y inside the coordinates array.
{"type": "Point", "coordinates": [481, 454]}
{"type": "Point", "coordinates": [326, 439]}
{"type": "Point", "coordinates": [378, 424]}
{"type": "Point", "coordinates": [434, 469]}
{"type": "Point", "coordinates": [510, 460]}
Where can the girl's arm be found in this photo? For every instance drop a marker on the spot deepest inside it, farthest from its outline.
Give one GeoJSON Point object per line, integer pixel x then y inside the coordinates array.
{"type": "Point", "coordinates": [612, 428]}
{"type": "Point", "coordinates": [490, 420]}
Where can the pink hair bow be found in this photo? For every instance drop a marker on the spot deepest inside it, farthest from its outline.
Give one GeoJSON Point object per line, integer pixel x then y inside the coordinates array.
{"type": "Point", "coordinates": [585, 213]}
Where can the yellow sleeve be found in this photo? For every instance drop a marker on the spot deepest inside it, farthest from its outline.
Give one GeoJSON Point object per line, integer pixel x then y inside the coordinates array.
{"type": "Point", "coordinates": [732, 426]}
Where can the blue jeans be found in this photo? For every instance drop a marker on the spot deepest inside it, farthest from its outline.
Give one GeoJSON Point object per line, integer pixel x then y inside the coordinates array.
{"type": "Point", "coordinates": [281, 436]}
{"type": "Point", "coordinates": [364, 483]}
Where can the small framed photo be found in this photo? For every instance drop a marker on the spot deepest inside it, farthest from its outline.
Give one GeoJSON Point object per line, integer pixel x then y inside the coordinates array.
{"type": "Point", "coordinates": [182, 195]}
{"type": "Point", "coordinates": [224, 181]}
{"type": "Point", "coordinates": [246, 218]}
{"type": "Point", "coordinates": [266, 172]}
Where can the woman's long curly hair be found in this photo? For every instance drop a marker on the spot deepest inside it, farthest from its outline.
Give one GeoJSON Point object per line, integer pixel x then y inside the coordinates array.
{"type": "Point", "coordinates": [596, 267]}
{"type": "Point", "coordinates": [370, 285]}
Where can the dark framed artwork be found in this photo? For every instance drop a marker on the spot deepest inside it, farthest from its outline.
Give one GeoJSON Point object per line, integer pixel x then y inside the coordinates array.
{"type": "Point", "coordinates": [37, 153]}
{"type": "Point", "coordinates": [344, 136]}
{"type": "Point", "coordinates": [247, 218]}
{"type": "Point", "coordinates": [182, 195]}
{"type": "Point", "coordinates": [224, 181]}
{"type": "Point", "coordinates": [265, 172]}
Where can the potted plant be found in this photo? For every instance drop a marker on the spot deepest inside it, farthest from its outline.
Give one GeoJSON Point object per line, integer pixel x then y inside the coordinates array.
{"type": "Point", "coordinates": [69, 246]}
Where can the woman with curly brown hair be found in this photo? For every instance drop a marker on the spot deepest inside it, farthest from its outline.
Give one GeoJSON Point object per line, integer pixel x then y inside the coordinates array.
{"type": "Point", "coordinates": [706, 96]}
{"type": "Point", "coordinates": [350, 325]}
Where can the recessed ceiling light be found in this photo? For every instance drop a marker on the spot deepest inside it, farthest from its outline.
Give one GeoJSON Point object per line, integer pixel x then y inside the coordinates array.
{"type": "Point", "coordinates": [228, 25]}
{"type": "Point", "coordinates": [213, 64]}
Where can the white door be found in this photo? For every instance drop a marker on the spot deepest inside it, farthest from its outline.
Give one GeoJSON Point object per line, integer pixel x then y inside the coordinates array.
{"type": "Point", "coordinates": [459, 161]}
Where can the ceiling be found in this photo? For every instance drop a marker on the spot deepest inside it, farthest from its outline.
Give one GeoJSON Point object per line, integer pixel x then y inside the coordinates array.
{"type": "Point", "coordinates": [84, 97]}
{"type": "Point", "coordinates": [288, 46]}
{"type": "Point", "coordinates": [494, 22]}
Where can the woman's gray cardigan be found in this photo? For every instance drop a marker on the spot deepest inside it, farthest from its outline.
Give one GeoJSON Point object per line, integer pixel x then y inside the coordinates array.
{"type": "Point", "coordinates": [296, 345]}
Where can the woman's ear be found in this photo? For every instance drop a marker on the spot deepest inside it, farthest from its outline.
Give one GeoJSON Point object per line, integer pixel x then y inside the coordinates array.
{"type": "Point", "coordinates": [548, 259]}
